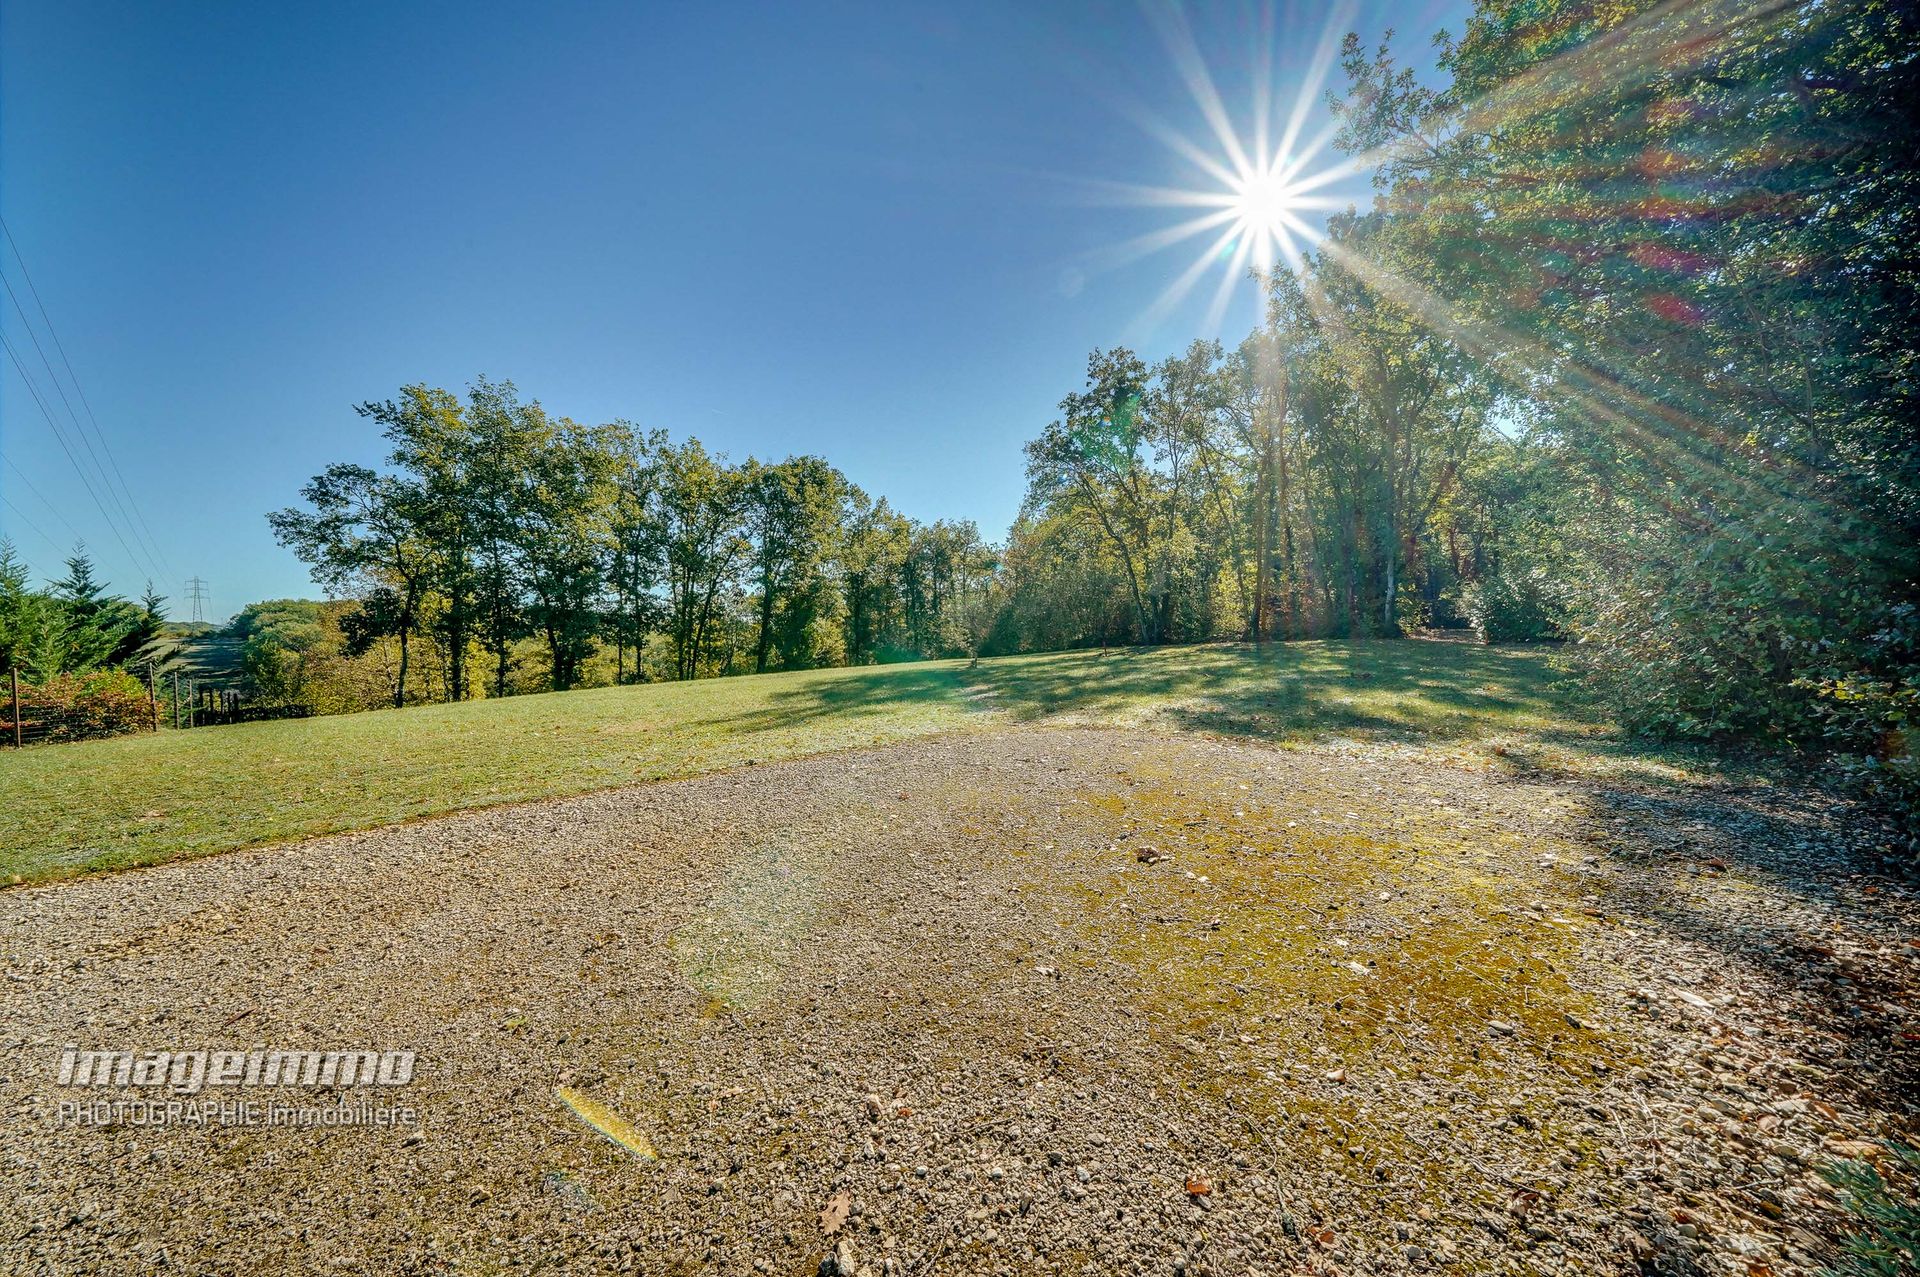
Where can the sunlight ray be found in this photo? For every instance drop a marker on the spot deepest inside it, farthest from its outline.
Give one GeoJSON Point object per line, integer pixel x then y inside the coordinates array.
{"type": "Point", "coordinates": [1128, 193]}
{"type": "Point", "coordinates": [1232, 275]}
{"type": "Point", "coordinates": [1315, 80]}
{"type": "Point", "coordinates": [1177, 36]}
{"type": "Point", "coordinates": [1301, 156]}
{"type": "Point", "coordinates": [1134, 249]}
{"type": "Point", "coordinates": [1177, 142]}
{"type": "Point", "coordinates": [1176, 292]}
{"type": "Point", "coordinates": [1263, 80]}
{"type": "Point", "coordinates": [1659, 431]}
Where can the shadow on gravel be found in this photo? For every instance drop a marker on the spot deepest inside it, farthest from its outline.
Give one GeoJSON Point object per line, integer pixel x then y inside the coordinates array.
{"type": "Point", "coordinates": [1825, 946]}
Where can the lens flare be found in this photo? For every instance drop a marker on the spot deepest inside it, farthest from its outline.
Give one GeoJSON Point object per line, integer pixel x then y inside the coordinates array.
{"type": "Point", "coordinates": [1255, 190]}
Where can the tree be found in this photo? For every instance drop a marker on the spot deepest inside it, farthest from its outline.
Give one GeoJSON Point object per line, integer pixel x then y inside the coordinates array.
{"type": "Point", "coordinates": [100, 629]}
{"type": "Point", "coordinates": [1688, 236]}
{"type": "Point", "coordinates": [33, 628]}
{"type": "Point", "coordinates": [566, 533]}
{"type": "Point", "coordinates": [366, 535]}
{"type": "Point", "coordinates": [1090, 461]}
{"type": "Point", "coordinates": [431, 441]}
{"type": "Point", "coordinates": [700, 508]}
{"type": "Point", "coordinates": [793, 513]}
{"type": "Point", "coordinates": [873, 552]}
{"type": "Point", "coordinates": [634, 552]}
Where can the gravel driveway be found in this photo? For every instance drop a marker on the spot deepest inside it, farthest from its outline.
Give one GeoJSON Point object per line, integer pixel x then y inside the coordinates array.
{"type": "Point", "coordinates": [1063, 1000]}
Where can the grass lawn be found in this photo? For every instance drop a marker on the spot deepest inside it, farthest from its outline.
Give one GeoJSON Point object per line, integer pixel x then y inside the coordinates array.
{"type": "Point", "coordinates": [71, 809]}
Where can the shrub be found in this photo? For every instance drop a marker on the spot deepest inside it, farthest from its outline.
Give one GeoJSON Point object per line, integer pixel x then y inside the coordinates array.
{"type": "Point", "coordinates": [1886, 1242]}
{"type": "Point", "coordinates": [85, 707]}
{"type": "Point", "coordinates": [1511, 607]}
{"type": "Point", "coordinates": [1869, 704]}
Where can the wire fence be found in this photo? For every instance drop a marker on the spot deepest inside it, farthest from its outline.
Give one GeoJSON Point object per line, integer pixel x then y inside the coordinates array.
{"type": "Point", "coordinates": [45, 715]}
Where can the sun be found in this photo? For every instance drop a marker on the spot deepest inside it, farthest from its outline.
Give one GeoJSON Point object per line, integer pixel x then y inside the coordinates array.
{"type": "Point", "coordinates": [1265, 207]}
{"type": "Point", "coordinates": [1254, 193]}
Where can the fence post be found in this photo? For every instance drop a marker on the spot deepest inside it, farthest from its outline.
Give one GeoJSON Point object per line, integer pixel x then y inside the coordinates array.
{"type": "Point", "coordinates": [176, 700]}
{"type": "Point", "coordinates": [13, 678]}
{"type": "Point", "coordinates": [153, 700]}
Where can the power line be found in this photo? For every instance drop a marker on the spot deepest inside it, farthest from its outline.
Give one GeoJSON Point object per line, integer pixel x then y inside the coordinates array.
{"type": "Point", "coordinates": [22, 516]}
{"type": "Point", "coordinates": [43, 496]}
{"type": "Point", "coordinates": [80, 390]}
{"type": "Point", "coordinates": [61, 436]}
{"type": "Point", "coordinates": [79, 429]}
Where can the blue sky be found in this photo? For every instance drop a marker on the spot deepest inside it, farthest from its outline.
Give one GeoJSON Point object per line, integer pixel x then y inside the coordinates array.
{"type": "Point", "coordinates": [873, 232]}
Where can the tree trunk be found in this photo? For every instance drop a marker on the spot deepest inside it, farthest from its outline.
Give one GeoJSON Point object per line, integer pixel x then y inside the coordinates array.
{"type": "Point", "coordinates": [400, 683]}
{"type": "Point", "coordinates": [765, 641]}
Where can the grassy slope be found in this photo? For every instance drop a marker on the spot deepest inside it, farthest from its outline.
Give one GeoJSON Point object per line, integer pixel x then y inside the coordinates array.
{"type": "Point", "coordinates": [138, 800]}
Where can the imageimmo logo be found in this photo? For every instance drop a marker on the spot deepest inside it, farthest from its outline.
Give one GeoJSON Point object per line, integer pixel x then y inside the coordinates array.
{"type": "Point", "coordinates": [183, 1076]}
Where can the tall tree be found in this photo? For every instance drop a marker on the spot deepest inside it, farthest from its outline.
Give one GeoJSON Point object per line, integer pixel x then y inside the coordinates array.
{"type": "Point", "coordinates": [1091, 460]}
{"type": "Point", "coordinates": [700, 505]}
{"type": "Point", "coordinates": [565, 535]}
{"type": "Point", "coordinates": [793, 514]}
{"type": "Point", "coordinates": [364, 536]}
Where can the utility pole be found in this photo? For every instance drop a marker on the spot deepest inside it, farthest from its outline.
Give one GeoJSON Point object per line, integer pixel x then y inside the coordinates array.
{"type": "Point", "coordinates": [197, 597]}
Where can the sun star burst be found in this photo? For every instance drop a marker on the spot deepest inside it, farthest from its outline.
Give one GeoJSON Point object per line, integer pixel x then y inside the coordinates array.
{"type": "Point", "coordinates": [1255, 192]}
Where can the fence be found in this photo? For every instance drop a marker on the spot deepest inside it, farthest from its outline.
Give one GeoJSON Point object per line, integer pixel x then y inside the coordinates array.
{"type": "Point", "coordinates": [111, 704]}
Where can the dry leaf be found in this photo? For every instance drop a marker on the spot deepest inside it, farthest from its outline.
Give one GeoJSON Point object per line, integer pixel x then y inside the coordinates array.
{"type": "Point", "coordinates": [1862, 1150]}
{"type": "Point", "coordinates": [834, 1213]}
{"type": "Point", "coordinates": [1197, 1186]}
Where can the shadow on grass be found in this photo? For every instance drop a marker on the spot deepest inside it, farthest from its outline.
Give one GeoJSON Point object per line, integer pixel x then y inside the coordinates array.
{"type": "Point", "coordinates": [1407, 690]}
{"type": "Point", "coordinates": [1390, 690]}
{"type": "Point", "coordinates": [862, 691]}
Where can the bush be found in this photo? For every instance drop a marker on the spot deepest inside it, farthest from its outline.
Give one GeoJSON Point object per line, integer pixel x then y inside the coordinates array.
{"type": "Point", "coordinates": [1869, 704]}
{"type": "Point", "coordinates": [1511, 607]}
{"type": "Point", "coordinates": [85, 707]}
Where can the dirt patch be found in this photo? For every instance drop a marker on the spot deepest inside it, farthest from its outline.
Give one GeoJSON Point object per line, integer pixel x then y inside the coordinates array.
{"type": "Point", "coordinates": [1043, 1001]}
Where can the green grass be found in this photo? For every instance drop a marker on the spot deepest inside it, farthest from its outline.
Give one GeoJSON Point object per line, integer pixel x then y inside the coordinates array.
{"type": "Point", "coordinates": [71, 809]}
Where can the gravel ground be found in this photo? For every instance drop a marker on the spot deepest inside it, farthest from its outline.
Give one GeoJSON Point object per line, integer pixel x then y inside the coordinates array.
{"type": "Point", "coordinates": [1065, 1000]}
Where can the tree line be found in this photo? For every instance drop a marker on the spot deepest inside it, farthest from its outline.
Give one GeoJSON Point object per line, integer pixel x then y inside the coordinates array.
{"type": "Point", "coordinates": [73, 626]}
{"type": "Point", "coordinates": [497, 525]}
{"type": "Point", "coordinates": [66, 650]}
{"type": "Point", "coordinates": [1623, 353]}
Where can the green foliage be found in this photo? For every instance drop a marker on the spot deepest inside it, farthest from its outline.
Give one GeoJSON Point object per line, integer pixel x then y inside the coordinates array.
{"type": "Point", "coordinates": [75, 626]}
{"type": "Point", "coordinates": [1682, 241]}
{"type": "Point", "coordinates": [1868, 701]}
{"type": "Point", "coordinates": [1887, 1241]}
{"type": "Point", "coordinates": [497, 521]}
{"type": "Point", "coordinates": [1512, 606]}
